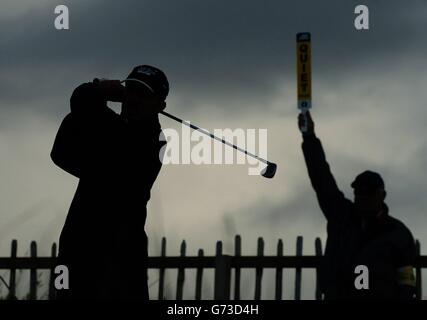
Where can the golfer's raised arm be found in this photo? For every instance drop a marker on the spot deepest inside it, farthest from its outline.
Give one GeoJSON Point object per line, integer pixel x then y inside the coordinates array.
{"type": "Point", "coordinates": [330, 198]}
{"type": "Point", "coordinates": [80, 129]}
{"type": "Point", "coordinates": [90, 99]}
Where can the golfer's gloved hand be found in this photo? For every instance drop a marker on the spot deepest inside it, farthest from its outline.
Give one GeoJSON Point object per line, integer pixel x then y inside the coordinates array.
{"type": "Point", "coordinates": [306, 120]}
{"type": "Point", "coordinates": [110, 90]}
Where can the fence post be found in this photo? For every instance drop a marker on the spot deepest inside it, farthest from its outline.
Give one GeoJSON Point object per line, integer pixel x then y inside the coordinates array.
{"type": "Point", "coordinates": [52, 293]}
{"type": "Point", "coordinates": [33, 273]}
{"type": "Point", "coordinates": [181, 274]}
{"type": "Point", "coordinates": [279, 272]}
{"type": "Point", "coordinates": [237, 253]}
{"type": "Point", "coordinates": [318, 249]}
{"type": "Point", "coordinates": [199, 278]}
{"type": "Point", "coordinates": [298, 270]}
{"type": "Point", "coordinates": [162, 271]}
{"type": "Point", "coordinates": [259, 270]}
{"type": "Point", "coordinates": [222, 274]}
{"type": "Point", "coordinates": [12, 275]}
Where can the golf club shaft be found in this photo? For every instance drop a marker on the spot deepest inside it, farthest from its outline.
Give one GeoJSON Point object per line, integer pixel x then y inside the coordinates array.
{"type": "Point", "coordinates": [214, 137]}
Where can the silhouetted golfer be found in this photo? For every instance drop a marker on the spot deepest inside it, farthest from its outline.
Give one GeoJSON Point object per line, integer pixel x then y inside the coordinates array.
{"type": "Point", "coordinates": [359, 232]}
{"type": "Point", "coordinates": [116, 158]}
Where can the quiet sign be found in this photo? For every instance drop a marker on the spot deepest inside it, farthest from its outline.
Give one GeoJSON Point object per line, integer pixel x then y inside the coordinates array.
{"type": "Point", "coordinates": [304, 70]}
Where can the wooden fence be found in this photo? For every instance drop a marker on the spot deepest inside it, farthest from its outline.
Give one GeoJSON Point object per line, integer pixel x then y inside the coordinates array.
{"type": "Point", "coordinates": [222, 265]}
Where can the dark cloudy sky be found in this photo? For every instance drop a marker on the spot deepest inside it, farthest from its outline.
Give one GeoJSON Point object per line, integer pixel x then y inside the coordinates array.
{"type": "Point", "coordinates": [231, 64]}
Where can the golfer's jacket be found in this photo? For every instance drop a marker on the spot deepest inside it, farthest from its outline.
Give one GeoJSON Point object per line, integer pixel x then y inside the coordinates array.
{"type": "Point", "coordinates": [117, 163]}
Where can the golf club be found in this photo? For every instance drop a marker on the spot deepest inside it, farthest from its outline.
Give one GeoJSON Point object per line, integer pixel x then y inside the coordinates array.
{"type": "Point", "coordinates": [267, 172]}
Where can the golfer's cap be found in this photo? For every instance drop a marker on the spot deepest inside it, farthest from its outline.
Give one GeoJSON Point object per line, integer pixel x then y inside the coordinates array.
{"type": "Point", "coordinates": [368, 180]}
{"type": "Point", "coordinates": [151, 77]}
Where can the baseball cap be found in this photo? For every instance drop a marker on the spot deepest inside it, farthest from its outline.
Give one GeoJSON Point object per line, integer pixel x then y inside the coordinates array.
{"type": "Point", "coordinates": [151, 77]}
{"type": "Point", "coordinates": [368, 180]}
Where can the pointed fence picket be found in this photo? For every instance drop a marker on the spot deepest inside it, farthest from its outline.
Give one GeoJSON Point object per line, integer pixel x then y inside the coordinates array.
{"type": "Point", "coordinates": [51, 294]}
{"type": "Point", "coordinates": [222, 264]}
{"type": "Point", "coordinates": [199, 277]}
{"type": "Point", "coordinates": [279, 272]}
{"type": "Point", "coordinates": [237, 253]}
{"type": "Point", "coordinates": [161, 295]}
{"type": "Point", "coordinates": [181, 275]}
{"type": "Point", "coordinates": [298, 270]}
{"type": "Point", "coordinates": [318, 250]}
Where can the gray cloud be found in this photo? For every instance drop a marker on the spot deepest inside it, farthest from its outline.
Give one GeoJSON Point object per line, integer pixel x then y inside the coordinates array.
{"type": "Point", "coordinates": [229, 53]}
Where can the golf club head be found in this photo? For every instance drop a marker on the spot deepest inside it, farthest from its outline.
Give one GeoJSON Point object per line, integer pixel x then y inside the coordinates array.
{"type": "Point", "coordinates": [269, 171]}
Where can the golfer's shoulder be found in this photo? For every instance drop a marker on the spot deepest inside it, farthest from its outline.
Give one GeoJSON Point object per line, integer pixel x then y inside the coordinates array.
{"type": "Point", "coordinates": [68, 121]}
{"type": "Point", "coordinates": [74, 122]}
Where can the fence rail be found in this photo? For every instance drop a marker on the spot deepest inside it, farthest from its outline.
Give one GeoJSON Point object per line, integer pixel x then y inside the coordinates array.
{"type": "Point", "coordinates": [221, 263]}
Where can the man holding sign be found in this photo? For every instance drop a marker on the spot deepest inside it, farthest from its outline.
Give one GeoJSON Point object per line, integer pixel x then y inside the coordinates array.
{"type": "Point", "coordinates": [360, 232]}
